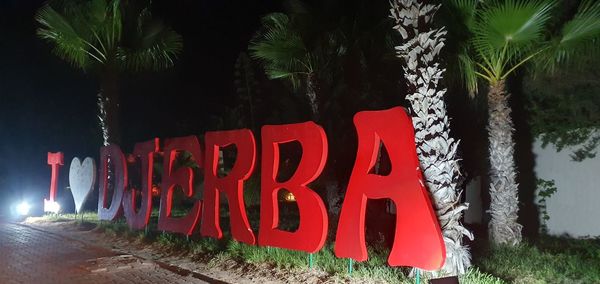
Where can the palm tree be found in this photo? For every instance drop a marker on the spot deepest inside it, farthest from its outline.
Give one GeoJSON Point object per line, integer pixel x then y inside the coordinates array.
{"type": "Point", "coordinates": [108, 36]}
{"type": "Point", "coordinates": [435, 148]}
{"type": "Point", "coordinates": [338, 55]}
{"type": "Point", "coordinates": [503, 36]}
{"type": "Point", "coordinates": [281, 49]}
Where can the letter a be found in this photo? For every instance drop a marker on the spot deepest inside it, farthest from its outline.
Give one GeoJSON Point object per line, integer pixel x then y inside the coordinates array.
{"type": "Point", "coordinates": [312, 231]}
{"type": "Point", "coordinates": [418, 240]}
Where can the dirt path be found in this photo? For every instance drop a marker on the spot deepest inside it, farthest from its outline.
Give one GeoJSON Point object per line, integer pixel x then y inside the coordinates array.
{"type": "Point", "coordinates": [31, 255]}
{"type": "Point", "coordinates": [225, 270]}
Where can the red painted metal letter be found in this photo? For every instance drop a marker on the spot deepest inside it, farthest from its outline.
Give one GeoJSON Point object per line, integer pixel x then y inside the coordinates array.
{"type": "Point", "coordinates": [182, 177]}
{"type": "Point", "coordinates": [138, 219]}
{"type": "Point", "coordinates": [418, 240]}
{"type": "Point", "coordinates": [232, 184]}
{"type": "Point", "coordinates": [55, 160]}
{"type": "Point", "coordinates": [117, 181]}
{"type": "Point", "coordinates": [312, 231]}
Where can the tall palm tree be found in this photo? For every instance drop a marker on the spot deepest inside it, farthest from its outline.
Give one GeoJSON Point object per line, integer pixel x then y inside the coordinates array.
{"type": "Point", "coordinates": [436, 150]}
{"type": "Point", "coordinates": [107, 37]}
{"type": "Point", "coordinates": [318, 47]}
{"type": "Point", "coordinates": [334, 52]}
{"type": "Point", "coordinates": [503, 36]}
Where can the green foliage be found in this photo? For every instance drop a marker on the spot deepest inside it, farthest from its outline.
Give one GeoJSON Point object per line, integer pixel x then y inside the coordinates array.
{"type": "Point", "coordinates": [545, 189]}
{"type": "Point", "coordinates": [508, 29]}
{"type": "Point", "coordinates": [108, 32]}
{"type": "Point", "coordinates": [173, 241]}
{"type": "Point", "coordinates": [474, 276]}
{"type": "Point", "coordinates": [577, 40]}
{"type": "Point", "coordinates": [588, 150]}
{"type": "Point", "coordinates": [549, 260]}
{"type": "Point", "coordinates": [280, 47]}
{"type": "Point", "coordinates": [375, 269]}
{"type": "Point", "coordinates": [506, 34]}
{"type": "Point", "coordinates": [252, 191]}
{"type": "Point", "coordinates": [565, 110]}
{"type": "Point", "coordinates": [501, 36]}
{"type": "Point", "coordinates": [312, 40]}
{"type": "Point", "coordinates": [553, 260]}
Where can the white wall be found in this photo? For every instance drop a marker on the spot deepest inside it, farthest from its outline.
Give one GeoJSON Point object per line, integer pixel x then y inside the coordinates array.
{"type": "Point", "coordinates": [474, 214]}
{"type": "Point", "coordinates": [575, 208]}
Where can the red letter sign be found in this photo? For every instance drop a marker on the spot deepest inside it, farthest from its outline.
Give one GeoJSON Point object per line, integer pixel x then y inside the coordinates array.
{"type": "Point", "coordinates": [55, 160]}
{"type": "Point", "coordinates": [183, 177]}
{"type": "Point", "coordinates": [312, 230]}
{"type": "Point", "coordinates": [232, 184]}
{"type": "Point", "coordinates": [118, 181]}
{"type": "Point", "coordinates": [418, 240]}
{"type": "Point", "coordinates": [138, 220]}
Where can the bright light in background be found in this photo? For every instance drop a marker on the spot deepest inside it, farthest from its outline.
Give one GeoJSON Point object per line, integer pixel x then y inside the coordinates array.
{"type": "Point", "coordinates": [51, 206]}
{"type": "Point", "coordinates": [23, 208]}
{"type": "Point", "coordinates": [289, 197]}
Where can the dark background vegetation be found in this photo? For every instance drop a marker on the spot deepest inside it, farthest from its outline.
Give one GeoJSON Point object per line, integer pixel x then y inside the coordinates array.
{"type": "Point", "coordinates": [47, 105]}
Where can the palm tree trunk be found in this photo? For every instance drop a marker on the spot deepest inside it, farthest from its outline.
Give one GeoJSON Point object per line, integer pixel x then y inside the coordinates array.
{"type": "Point", "coordinates": [435, 148]}
{"type": "Point", "coordinates": [102, 117]}
{"type": "Point", "coordinates": [332, 190]}
{"type": "Point", "coordinates": [311, 93]}
{"type": "Point", "coordinates": [109, 107]}
{"type": "Point", "coordinates": [504, 205]}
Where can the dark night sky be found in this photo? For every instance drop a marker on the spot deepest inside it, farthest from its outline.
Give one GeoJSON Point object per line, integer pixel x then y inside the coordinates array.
{"type": "Point", "coordinates": [47, 105]}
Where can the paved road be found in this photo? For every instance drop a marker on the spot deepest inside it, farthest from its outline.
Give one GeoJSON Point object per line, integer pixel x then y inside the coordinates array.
{"type": "Point", "coordinates": [28, 255]}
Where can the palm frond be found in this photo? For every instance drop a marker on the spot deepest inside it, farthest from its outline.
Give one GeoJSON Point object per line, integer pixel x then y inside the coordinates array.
{"type": "Point", "coordinates": [68, 44]}
{"type": "Point", "coordinates": [281, 49]}
{"type": "Point", "coordinates": [467, 69]}
{"type": "Point", "coordinates": [95, 10]}
{"type": "Point", "coordinates": [506, 32]}
{"type": "Point", "coordinates": [85, 31]}
{"type": "Point", "coordinates": [579, 39]}
{"type": "Point", "coordinates": [515, 22]}
{"type": "Point", "coordinates": [109, 30]}
{"type": "Point", "coordinates": [465, 9]}
{"type": "Point", "coordinates": [149, 44]}
{"type": "Point", "coordinates": [458, 17]}
{"type": "Point", "coordinates": [158, 51]}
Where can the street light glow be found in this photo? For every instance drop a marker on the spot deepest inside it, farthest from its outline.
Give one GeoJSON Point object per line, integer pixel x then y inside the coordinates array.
{"type": "Point", "coordinates": [23, 208]}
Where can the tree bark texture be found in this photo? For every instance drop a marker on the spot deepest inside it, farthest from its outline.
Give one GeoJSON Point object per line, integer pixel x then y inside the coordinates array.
{"type": "Point", "coordinates": [504, 205]}
{"type": "Point", "coordinates": [436, 150]}
{"type": "Point", "coordinates": [109, 107]}
{"type": "Point", "coordinates": [311, 93]}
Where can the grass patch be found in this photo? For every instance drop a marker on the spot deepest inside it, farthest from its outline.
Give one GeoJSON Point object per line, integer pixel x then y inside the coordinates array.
{"type": "Point", "coordinates": [91, 217]}
{"type": "Point", "coordinates": [474, 276]}
{"type": "Point", "coordinates": [549, 260]}
{"type": "Point", "coordinates": [375, 268]}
